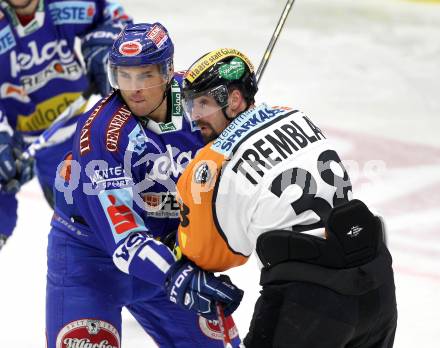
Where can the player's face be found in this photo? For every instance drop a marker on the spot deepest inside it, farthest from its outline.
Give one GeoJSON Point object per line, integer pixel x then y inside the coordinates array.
{"type": "Point", "coordinates": [21, 3]}
{"type": "Point", "coordinates": [209, 117]}
{"type": "Point", "coordinates": [142, 88]}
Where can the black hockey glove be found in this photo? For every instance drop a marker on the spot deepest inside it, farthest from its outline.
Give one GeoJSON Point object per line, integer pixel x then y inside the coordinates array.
{"type": "Point", "coordinates": [7, 158]}
{"type": "Point", "coordinates": [169, 240]}
{"type": "Point", "coordinates": [195, 289]}
{"type": "Point", "coordinates": [14, 171]}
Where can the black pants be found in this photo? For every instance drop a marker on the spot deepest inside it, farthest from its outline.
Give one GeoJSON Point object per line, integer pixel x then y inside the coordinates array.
{"type": "Point", "coordinates": [305, 315]}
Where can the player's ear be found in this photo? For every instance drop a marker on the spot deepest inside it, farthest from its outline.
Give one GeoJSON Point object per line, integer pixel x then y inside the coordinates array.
{"type": "Point", "coordinates": [171, 72]}
{"type": "Point", "coordinates": [236, 101]}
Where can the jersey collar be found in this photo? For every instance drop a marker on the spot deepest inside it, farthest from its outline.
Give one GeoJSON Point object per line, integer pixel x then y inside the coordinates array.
{"type": "Point", "coordinates": [30, 27]}
{"type": "Point", "coordinates": [176, 121]}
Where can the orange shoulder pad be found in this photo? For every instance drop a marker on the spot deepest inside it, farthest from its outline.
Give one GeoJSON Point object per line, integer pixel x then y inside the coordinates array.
{"type": "Point", "coordinates": [199, 238]}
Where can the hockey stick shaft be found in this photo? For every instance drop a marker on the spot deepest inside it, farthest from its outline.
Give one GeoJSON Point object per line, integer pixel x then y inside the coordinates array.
{"type": "Point", "coordinates": [273, 40]}
{"type": "Point", "coordinates": [222, 325]}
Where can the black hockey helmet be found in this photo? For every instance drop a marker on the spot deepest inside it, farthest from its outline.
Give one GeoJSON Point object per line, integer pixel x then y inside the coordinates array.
{"type": "Point", "coordinates": [216, 74]}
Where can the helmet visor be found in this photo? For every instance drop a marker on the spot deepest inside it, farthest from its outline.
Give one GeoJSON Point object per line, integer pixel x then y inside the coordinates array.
{"type": "Point", "coordinates": [206, 103]}
{"type": "Point", "coordinates": [138, 77]}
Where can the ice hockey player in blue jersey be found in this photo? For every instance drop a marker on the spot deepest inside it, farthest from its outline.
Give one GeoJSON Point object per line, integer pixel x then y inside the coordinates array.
{"type": "Point", "coordinates": [40, 76]}
{"type": "Point", "coordinates": [115, 204]}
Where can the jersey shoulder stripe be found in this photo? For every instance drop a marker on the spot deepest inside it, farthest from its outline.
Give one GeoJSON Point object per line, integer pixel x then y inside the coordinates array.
{"type": "Point", "coordinates": [88, 126]}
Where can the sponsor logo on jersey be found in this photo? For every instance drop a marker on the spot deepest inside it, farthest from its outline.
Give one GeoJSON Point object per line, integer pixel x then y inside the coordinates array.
{"type": "Point", "coordinates": [137, 140]}
{"type": "Point", "coordinates": [164, 165]}
{"type": "Point", "coordinates": [72, 12]}
{"type": "Point", "coordinates": [112, 177]}
{"type": "Point", "coordinates": [7, 40]}
{"type": "Point", "coordinates": [121, 217]}
{"type": "Point", "coordinates": [55, 70]}
{"type": "Point", "coordinates": [46, 113]}
{"type": "Point", "coordinates": [114, 127]}
{"type": "Point", "coordinates": [9, 90]}
{"type": "Point", "coordinates": [90, 333]}
{"type": "Point", "coordinates": [38, 56]}
{"type": "Point", "coordinates": [130, 48]}
{"type": "Point", "coordinates": [157, 35]}
{"type": "Point", "coordinates": [161, 205]}
{"type": "Point", "coordinates": [212, 329]}
{"type": "Point", "coordinates": [167, 127]}
{"type": "Point", "coordinates": [242, 125]}
{"type": "Point", "coordinates": [176, 99]}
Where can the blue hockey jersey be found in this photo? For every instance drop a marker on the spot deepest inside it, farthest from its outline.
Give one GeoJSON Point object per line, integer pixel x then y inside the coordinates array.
{"type": "Point", "coordinates": [41, 74]}
{"type": "Point", "coordinates": [117, 190]}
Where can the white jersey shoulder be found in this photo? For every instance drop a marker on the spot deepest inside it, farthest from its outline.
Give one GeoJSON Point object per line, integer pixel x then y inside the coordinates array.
{"type": "Point", "coordinates": [282, 173]}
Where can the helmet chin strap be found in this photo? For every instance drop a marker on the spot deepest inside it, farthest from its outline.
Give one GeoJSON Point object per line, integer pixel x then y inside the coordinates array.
{"type": "Point", "coordinates": [167, 87]}
{"type": "Point", "coordinates": [158, 105]}
{"type": "Point", "coordinates": [230, 119]}
{"type": "Point", "coordinates": [19, 7]}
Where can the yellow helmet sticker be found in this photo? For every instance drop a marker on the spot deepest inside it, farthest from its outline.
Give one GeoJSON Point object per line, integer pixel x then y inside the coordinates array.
{"type": "Point", "coordinates": [207, 61]}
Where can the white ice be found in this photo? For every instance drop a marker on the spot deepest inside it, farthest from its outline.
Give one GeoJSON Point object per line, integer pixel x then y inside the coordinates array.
{"type": "Point", "coordinates": [367, 72]}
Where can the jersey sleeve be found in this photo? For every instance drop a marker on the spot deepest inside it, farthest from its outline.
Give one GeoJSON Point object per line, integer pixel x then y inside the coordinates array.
{"type": "Point", "coordinates": [110, 204]}
{"type": "Point", "coordinates": [4, 124]}
{"type": "Point", "coordinates": [200, 236]}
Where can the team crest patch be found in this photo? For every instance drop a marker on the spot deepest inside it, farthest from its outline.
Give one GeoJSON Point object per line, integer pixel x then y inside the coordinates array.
{"type": "Point", "coordinates": [88, 333]}
{"type": "Point", "coordinates": [130, 48]}
{"type": "Point", "coordinates": [202, 174]}
{"type": "Point", "coordinates": [211, 328]}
